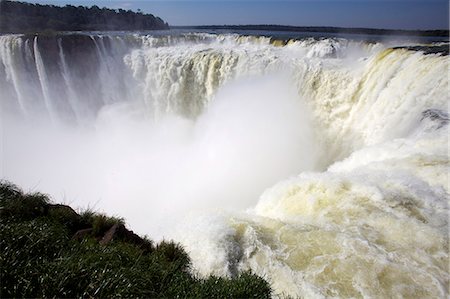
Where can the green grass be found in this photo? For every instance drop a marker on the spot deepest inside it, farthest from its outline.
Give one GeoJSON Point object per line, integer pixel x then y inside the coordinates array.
{"type": "Point", "coordinates": [39, 257]}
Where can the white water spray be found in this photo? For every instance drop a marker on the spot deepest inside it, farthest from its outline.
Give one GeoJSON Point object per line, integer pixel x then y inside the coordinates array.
{"type": "Point", "coordinates": [43, 80]}
{"type": "Point", "coordinates": [199, 126]}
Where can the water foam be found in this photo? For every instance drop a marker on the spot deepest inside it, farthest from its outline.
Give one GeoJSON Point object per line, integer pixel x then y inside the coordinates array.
{"type": "Point", "coordinates": [156, 128]}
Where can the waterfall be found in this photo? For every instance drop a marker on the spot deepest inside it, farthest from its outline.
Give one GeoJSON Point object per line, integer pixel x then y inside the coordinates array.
{"type": "Point", "coordinates": [320, 164]}
{"type": "Point", "coordinates": [43, 80]}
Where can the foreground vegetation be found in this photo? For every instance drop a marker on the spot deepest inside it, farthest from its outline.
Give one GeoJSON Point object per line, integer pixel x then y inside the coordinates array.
{"type": "Point", "coordinates": [49, 250]}
{"type": "Point", "coordinates": [20, 17]}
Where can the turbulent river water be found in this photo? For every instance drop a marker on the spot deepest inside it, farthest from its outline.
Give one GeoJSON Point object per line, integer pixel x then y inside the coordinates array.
{"type": "Point", "coordinates": [320, 164]}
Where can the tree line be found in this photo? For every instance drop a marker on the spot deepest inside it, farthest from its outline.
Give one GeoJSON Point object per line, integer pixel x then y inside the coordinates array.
{"type": "Point", "coordinates": [20, 17]}
{"type": "Point", "coordinates": [368, 31]}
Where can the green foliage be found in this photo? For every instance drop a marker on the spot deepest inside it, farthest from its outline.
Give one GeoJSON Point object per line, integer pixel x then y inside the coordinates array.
{"type": "Point", "coordinates": [23, 207]}
{"type": "Point", "coordinates": [27, 17]}
{"type": "Point", "coordinates": [65, 216]}
{"type": "Point", "coordinates": [26, 249]}
{"type": "Point", "coordinates": [100, 223]}
{"type": "Point", "coordinates": [246, 285]}
{"type": "Point", "coordinates": [39, 257]}
{"type": "Point", "coordinates": [172, 252]}
{"type": "Point", "coordinates": [322, 29]}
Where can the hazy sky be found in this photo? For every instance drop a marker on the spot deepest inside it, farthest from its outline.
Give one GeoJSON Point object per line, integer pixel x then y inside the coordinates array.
{"type": "Point", "coordinates": [394, 14]}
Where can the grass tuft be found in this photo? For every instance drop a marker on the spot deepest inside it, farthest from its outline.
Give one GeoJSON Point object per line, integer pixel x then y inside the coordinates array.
{"type": "Point", "coordinates": [41, 257]}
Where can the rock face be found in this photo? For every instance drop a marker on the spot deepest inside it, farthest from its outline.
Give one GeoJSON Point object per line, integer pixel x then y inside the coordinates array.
{"type": "Point", "coordinates": [120, 232]}
{"type": "Point", "coordinates": [108, 237]}
{"type": "Point", "coordinates": [435, 119]}
{"type": "Point", "coordinates": [117, 231]}
{"type": "Point", "coordinates": [429, 49]}
{"type": "Point", "coordinates": [436, 114]}
{"type": "Point", "coordinates": [58, 209]}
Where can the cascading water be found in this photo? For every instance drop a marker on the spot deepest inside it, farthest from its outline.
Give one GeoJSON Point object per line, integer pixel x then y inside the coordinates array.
{"type": "Point", "coordinates": [352, 136]}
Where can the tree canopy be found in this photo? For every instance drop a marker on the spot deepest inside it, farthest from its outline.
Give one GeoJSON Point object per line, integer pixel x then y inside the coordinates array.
{"type": "Point", "coordinates": [368, 31]}
{"type": "Point", "coordinates": [18, 17]}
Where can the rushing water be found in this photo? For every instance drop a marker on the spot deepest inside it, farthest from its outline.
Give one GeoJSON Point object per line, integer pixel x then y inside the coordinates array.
{"type": "Point", "coordinates": [319, 163]}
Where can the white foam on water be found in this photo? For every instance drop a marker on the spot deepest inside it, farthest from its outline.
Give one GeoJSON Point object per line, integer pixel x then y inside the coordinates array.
{"type": "Point", "coordinates": [346, 141]}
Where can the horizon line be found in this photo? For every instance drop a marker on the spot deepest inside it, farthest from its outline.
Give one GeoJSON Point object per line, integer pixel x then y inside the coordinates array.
{"type": "Point", "coordinates": [312, 27]}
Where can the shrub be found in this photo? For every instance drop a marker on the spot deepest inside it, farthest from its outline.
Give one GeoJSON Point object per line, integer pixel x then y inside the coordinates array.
{"type": "Point", "coordinates": [39, 257]}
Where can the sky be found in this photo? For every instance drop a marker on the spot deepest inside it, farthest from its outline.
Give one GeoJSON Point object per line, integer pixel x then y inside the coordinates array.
{"type": "Point", "coordinates": [388, 14]}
